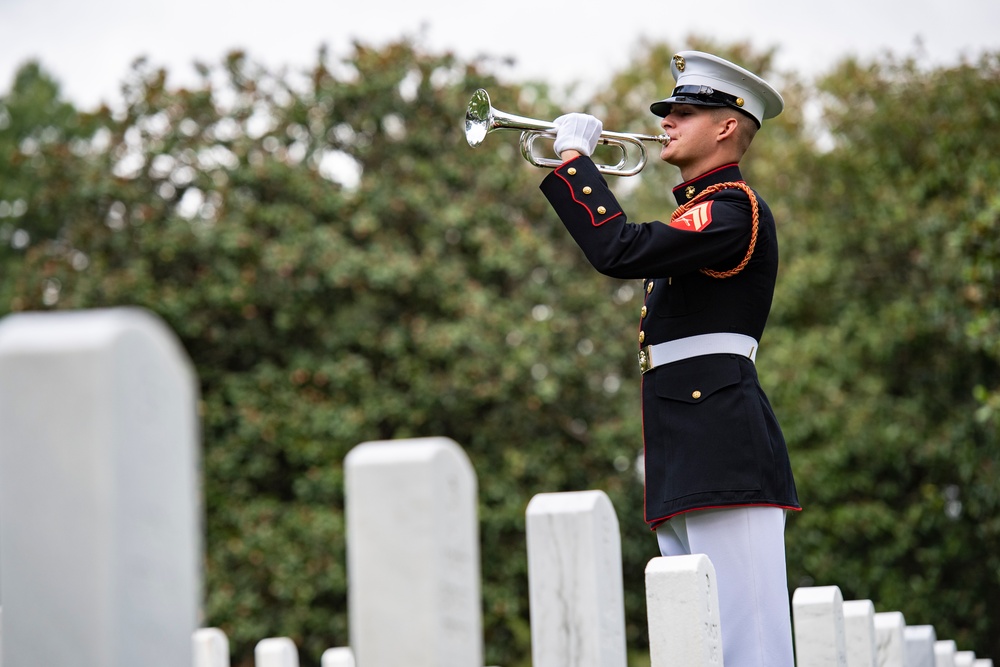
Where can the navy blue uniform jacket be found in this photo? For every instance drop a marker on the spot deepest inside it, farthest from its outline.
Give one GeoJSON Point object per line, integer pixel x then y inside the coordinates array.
{"type": "Point", "coordinates": [711, 438]}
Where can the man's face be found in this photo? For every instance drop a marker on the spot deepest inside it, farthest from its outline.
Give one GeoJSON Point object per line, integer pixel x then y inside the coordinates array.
{"type": "Point", "coordinates": [692, 131]}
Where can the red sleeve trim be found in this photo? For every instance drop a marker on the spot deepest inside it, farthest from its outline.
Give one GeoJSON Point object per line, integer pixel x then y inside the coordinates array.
{"type": "Point", "coordinates": [593, 220]}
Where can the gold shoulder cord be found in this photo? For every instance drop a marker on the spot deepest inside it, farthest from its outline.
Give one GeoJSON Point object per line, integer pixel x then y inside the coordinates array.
{"type": "Point", "coordinates": [755, 219]}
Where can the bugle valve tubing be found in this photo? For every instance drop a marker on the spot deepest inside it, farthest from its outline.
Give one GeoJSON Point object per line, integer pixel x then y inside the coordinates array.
{"type": "Point", "coordinates": [481, 119]}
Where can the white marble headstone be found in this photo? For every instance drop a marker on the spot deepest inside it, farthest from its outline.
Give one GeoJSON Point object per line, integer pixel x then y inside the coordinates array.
{"type": "Point", "coordinates": [859, 631]}
{"type": "Point", "coordinates": [944, 653]}
{"type": "Point", "coordinates": [820, 638]}
{"type": "Point", "coordinates": [682, 607]}
{"type": "Point", "coordinates": [99, 491]}
{"type": "Point", "coordinates": [211, 648]}
{"type": "Point", "coordinates": [965, 658]}
{"type": "Point", "coordinates": [575, 581]}
{"type": "Point", "coordinates": [919, 640]}
{"type": "Point", "coordinates": [276, 652]}
{"type": "Point", "coordinates": [341, 656]}
{"type": "Point", "coordinates": [413, 554]}
{"type": "Point", "coordinates": [889, 640]}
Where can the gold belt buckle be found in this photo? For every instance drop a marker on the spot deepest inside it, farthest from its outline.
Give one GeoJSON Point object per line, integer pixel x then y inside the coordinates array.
{"type": "Point", "coordinates": [645, 361]}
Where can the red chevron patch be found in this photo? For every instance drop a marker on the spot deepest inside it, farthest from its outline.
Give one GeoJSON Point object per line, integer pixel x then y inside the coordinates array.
{"type": "Point", "coordinates": [695, 220]}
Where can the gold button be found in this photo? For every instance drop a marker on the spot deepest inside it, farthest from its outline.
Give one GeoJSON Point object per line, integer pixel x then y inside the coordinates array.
{"type": "Point", "coordinates": [571, 171]}
{"type": "Point", "coordinates": [649, 287]}
{"type": "Point", "coordinates": [642, 313]}
{"type": "Point", "coordinates": [602, 210]}
{"type": "Point", "coordinates": [696, 394]}
{"type": "Point", "coordinates": [642, 336]}
{"type": "Point", "coordinates": [587, 190]}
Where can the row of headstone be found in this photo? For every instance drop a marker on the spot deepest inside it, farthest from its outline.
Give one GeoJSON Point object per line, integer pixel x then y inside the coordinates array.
{"type": "Point", "coordinates": [830, 632]}
{"type": "Point", "coordinates": [425, 490]}
{"type": "Point", "coordinates": [211, 649]}
{"type": "Point", "coordinates": [100, 441]}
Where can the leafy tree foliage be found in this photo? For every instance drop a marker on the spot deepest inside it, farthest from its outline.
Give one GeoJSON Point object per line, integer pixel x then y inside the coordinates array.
{"type": "Point", "coordinates": [886, 340]}
{"type": "Point", "coordinates": [42, 142]}
{"type": "Point", "coordinates": [341, 267]}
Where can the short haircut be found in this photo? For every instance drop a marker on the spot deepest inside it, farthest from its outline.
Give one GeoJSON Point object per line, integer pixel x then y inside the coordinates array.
{"type": "Point", "coordinates": [746, 126]}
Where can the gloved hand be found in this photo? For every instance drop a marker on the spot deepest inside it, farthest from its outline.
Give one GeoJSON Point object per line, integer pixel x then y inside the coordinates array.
{"type": "Point", "coordinates": [577, 131]}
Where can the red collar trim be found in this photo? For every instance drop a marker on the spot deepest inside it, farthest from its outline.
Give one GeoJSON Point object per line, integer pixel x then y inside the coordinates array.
{"type": "Point", "coordinates": [707, 173]}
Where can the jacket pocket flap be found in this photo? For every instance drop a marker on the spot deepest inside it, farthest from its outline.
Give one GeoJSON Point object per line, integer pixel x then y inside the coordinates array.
{"type": "Point", "coordinates": [694, 380]}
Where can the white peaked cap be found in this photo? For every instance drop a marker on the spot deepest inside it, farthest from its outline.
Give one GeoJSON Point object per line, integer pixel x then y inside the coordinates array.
{"type": "Point", "coordinates": [707, 80]}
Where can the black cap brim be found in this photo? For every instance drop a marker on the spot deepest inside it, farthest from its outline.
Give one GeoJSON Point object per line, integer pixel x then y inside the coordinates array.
{"type": "Point", "coordinates": [662, 108]}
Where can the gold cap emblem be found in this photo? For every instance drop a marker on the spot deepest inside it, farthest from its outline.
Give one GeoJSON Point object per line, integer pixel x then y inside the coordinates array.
{"type": "Point", "coordinates": [679, 62]}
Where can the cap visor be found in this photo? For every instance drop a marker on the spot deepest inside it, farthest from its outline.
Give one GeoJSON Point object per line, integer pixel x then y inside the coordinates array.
{"type": "Point", "coordinates": [662, 108]}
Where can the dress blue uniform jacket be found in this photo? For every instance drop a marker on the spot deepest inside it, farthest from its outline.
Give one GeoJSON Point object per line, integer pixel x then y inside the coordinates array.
{"type": "Point", "coordinates": [711, 438]}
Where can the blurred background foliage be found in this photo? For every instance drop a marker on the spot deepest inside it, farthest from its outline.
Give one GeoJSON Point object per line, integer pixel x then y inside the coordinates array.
{"type": "Point", "coordinates": [342, 267]}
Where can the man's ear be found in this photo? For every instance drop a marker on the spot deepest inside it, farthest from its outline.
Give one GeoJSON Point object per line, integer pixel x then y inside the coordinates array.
{"type": "Point", "coordinates": [727, 128]}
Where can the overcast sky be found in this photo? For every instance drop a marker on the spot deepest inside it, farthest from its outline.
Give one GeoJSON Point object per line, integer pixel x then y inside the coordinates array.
{"type": "Point", "coordinates": [88, 45]}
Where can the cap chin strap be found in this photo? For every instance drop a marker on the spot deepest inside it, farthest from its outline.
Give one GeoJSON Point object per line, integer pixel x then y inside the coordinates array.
{"type": "Point", "coordinates": [709, 94]}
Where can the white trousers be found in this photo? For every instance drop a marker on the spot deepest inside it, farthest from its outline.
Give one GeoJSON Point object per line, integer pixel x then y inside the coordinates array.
{"type": "Point", "coordinates": [747, 548]}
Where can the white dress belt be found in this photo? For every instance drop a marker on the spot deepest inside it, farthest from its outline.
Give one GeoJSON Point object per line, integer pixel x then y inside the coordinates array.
{"type": "Point", "coordinates": [670, 351]}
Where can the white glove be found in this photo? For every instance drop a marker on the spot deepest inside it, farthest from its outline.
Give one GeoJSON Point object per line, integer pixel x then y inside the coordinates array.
{"type": "Point", "coordinates": [578, 132]}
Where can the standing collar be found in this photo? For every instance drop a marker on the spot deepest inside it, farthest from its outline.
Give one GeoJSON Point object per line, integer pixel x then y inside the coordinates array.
{"type": "Point", "coordinates": [687, 191]}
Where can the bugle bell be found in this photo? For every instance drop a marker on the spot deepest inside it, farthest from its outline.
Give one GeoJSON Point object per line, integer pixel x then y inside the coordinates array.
{"type": "Point", "coordinates": [481, 119]}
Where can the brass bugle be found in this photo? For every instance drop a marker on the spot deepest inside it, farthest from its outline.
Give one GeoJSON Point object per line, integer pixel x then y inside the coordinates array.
{"type": "Point", "coordinates": [481, 119]}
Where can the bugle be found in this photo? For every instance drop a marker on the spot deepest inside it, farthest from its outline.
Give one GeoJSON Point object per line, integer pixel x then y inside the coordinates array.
{"type": "Point", "coordinates": [481, 119]}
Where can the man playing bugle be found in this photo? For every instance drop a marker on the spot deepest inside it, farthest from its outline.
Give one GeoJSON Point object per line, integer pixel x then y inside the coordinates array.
{"type": "Point", "coordinates": [717, 474]}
